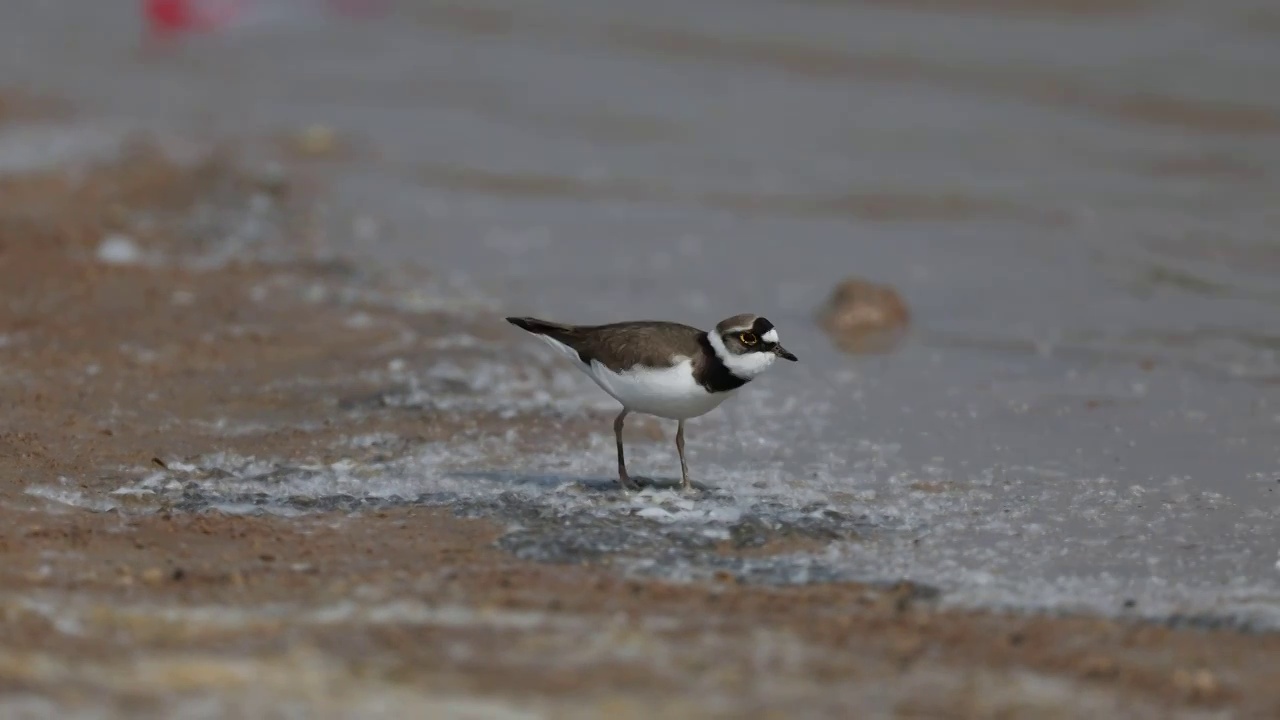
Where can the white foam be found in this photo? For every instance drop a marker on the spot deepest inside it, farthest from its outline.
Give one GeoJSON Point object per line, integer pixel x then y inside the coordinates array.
{"type": "Point", "coordinates": [1020, 534]}
{"type": "Point", "coordinates": [71, 498]}
{"type": "Point", "coordinates": [79, 616]}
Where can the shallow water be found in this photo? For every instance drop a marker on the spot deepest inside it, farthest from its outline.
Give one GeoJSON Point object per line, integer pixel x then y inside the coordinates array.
{"type": "Point", "coordinates": [1077, 201]}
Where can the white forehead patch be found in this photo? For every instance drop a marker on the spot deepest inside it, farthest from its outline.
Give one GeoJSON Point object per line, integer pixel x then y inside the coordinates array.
{"type": "Point", "coordinates": [771, 336]}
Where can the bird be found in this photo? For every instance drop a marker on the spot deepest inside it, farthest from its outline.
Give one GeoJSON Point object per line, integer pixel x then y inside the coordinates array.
{"type": "Point", "coordinates": [665, 369]}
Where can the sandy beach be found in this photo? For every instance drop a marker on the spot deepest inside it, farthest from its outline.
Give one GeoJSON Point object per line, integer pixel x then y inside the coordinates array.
{"type": "Point", "coordinates": [268, 449]}
{"type": "Point", "coordinates": [152, 603]}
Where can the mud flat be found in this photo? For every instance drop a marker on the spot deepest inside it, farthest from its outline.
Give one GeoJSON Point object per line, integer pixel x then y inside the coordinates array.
{"type": "Point", "coordinates": [239, 478]}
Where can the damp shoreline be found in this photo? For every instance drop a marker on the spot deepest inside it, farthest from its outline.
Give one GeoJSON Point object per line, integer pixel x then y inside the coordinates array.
{"type": "Point", "coordinates": [268, 445]}
{"type": "Point", "coordinates": [233, 489]}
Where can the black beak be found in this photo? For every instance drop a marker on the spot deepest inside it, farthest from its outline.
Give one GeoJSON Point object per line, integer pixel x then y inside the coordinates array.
{"type": "Point", "coordinates": [783, 353]}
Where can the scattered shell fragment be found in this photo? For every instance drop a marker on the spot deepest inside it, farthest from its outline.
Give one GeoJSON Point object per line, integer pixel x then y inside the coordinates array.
{"type": "Point", "coordinates": [863, 317]}
{"type": "Point", "coordinates": [117, 249]}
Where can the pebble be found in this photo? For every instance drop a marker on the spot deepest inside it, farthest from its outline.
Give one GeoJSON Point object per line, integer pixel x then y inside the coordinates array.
{"type": "Point", "coordinates": [118, 249]}
{"type": "Point", "coordinates": [1098, 667]}
{"type": "Point", "coordinates": [862, 317]}
{"type": "Point", "coordinates": [1198, 685]}
{"type": "Point", "coordinates": [315, 140]}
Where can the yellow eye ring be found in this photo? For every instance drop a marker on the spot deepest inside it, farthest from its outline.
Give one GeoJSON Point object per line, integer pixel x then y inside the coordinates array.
{"type": "Point", "coordinates": [747, 338]}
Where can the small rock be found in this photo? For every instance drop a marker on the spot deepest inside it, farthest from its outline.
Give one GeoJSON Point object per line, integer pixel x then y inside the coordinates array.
{"type": "Point", "coordinates": [315, 140]}
{"type": "Point", "coordinates": [117, 249]}
{"type": "Point", "coordinates": [901, 596]}
{"type": "Point", "coordinates": [153, 576]}
{"type": "Point", "coordinates": [863, 317]}
{"type": "Point", "coordinates": [1197, 685]}
{"type": "Point", "coordinates": [1098, 667]}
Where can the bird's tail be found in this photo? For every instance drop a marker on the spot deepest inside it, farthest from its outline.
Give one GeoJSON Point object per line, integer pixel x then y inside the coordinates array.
{"type": "Point", "coordinates": [538, 327]}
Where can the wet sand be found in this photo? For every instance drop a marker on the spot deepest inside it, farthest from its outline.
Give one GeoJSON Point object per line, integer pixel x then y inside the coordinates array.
{"type": "Point", "coordinates": [115, 364]}
{"type": "Point", "coordinates": [268, 451]}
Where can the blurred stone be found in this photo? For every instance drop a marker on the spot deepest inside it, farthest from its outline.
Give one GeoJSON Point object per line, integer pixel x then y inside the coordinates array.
{"type": "Point", "coordinates": [315, 141]}
{"type": "Point", "coordinates": [863, 317]}
{"type": "Point", "coordinates": [1099, 667]}
{"type": "Point", "coordinates": [1198, 685]}
{"type": "Point", "coordinates": [117, 249]}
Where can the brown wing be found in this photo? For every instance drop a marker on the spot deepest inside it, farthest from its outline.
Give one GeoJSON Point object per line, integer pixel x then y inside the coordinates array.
{"type": "Point", "coordinates": [621, 346]}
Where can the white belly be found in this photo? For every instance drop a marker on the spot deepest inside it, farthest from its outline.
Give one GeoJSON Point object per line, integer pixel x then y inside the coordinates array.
{"type": "Point", "coordinates": [668, 392]}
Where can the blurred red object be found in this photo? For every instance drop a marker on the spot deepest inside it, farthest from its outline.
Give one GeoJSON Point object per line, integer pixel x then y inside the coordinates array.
{"type": "Point", "coordinates": [171, 17]}
{"type": "Point", "coordinates": [167, 17]}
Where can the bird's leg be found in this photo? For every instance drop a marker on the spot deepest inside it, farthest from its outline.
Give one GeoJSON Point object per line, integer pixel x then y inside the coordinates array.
{"type": "Point", "coordinates": [684, 467]}
{"type": "Point", "coordinates": [626, 482]}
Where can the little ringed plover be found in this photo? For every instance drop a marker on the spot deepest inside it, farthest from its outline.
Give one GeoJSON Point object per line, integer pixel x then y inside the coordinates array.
{"type": "Point", "coordinates": [665, 369]}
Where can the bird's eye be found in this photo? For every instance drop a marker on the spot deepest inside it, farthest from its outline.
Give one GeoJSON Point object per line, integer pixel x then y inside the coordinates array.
{"type": "Point", "coordinates": [747, 338]}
